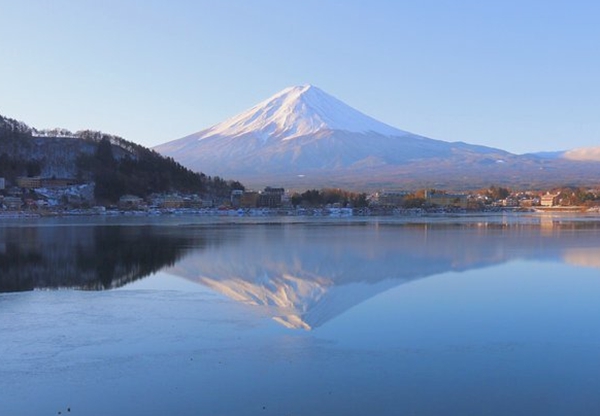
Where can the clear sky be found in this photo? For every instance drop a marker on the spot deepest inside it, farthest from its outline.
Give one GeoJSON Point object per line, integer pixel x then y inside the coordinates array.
{"type": "Point", "coordinates": [519, 75]}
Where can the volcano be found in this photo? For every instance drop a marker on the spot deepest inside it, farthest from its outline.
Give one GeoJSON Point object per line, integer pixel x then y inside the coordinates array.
{"type": "Point", "coordinates": [303, 137]}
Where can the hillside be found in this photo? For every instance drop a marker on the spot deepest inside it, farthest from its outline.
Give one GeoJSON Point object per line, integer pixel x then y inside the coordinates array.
{"type": "Point", "coordinates": [117, 166]}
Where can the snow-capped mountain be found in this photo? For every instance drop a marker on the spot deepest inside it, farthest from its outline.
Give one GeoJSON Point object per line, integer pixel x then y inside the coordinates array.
{"type": "Point", "coordinates": [303, 137]}
{"type": "Point", "coordinates": [295, 112]}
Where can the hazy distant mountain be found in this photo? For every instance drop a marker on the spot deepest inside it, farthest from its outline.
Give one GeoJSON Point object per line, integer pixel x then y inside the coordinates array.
{"type": "Point", "coordinates": [304, 137]}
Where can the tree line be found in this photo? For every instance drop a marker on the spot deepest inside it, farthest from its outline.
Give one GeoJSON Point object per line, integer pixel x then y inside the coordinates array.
{"type": "Point", "coordinates": [141, 171]}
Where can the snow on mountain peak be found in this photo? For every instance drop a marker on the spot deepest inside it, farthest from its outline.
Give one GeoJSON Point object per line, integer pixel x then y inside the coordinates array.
{"type": "Point", "coordinates": [298, 111]}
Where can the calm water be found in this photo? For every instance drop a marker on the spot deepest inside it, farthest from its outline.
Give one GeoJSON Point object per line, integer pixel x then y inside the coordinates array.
{"type": "Point", "coordinates": [185, 316]}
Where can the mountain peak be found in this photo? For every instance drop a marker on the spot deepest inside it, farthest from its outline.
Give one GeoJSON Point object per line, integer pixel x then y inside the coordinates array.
{"type": "Point", "coordinates": [298, 111]}
{"type": "Point", "coordinates": [299, 88]}
{"type": "Point", "coordinates": [298, 91]}
{"type": "Point", "coordinates": [304, 138]}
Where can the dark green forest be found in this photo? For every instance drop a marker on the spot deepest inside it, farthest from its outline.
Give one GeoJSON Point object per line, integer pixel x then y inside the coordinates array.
{"type": "Point", "coordinates": [141, 171]}
{"type": "Point", "coordinates": [15, 140]}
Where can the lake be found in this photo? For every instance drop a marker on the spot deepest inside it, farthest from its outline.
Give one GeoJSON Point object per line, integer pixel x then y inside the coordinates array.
{"type": "Point", "coordinates": [462, 315]}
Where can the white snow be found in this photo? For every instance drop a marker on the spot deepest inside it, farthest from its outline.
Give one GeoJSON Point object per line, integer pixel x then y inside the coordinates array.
{"type": "Point", "coordinates": [305, 131]}
{"type": "Point", "coordinates": [298, 111]}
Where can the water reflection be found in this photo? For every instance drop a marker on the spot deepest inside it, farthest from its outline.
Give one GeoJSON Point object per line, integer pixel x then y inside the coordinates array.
{"type": "Point", "coordinates": [303, 276]}
{"type": "Point", "coordinates": [86, 257]}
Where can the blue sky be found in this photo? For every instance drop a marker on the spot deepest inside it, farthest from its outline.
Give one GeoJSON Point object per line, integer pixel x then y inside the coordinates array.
{"type": "Point", "coordinates": [519, 75]}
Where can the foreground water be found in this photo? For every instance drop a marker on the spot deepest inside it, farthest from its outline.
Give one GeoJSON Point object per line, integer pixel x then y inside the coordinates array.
{"type": "Point", "coordinates": [183, 316]}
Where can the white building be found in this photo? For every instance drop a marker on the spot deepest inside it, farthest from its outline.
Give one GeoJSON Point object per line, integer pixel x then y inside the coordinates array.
{"type": "Point", "coordinates": [549, 200]}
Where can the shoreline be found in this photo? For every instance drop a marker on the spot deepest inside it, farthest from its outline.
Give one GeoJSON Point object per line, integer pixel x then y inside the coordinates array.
{"type": "Point", "coordinates": [298, 212]}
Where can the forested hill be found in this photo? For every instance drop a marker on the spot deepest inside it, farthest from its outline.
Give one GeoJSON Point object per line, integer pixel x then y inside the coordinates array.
{"type": "Point", "coordinates": [116, 165]}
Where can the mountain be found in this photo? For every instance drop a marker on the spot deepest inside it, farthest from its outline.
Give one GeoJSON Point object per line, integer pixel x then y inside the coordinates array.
{"type": "Point", "coordinates": [303, 137]}
{"type": "Point", "coordinates": [115, 165]}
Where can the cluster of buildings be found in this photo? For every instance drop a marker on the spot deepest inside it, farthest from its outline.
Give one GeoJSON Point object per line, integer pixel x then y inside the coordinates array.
{"type": "Point", "coordinates": [35, 193]}
{"type": "Point", "coordinates": [475, 201]}
{"type": "Point", "coordinates": [268, 198]}
{"type": "Point", "coordinates": [51, 194]}
{"type": "Point", "coordinates": [430, 198]}
{"type": "Point", "coordinates": [58, 194]}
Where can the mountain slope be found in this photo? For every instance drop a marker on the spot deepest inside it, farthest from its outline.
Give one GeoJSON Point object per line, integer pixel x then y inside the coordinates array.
{"type": "Point", "coordinates": [302, 137]}
{"type": "Point", "coordinates": [299, 111]}
{"type": "Point", "coordinates": [116, 165]}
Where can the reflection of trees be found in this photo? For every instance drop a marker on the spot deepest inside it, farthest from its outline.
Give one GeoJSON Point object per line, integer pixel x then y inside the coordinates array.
{"type": "Point", "coordinates": [86, 257]}
{"type": "Point", "coordinates": [13, 258]}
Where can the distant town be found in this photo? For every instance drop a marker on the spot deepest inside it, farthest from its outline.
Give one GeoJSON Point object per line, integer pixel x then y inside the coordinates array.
{"type": "Point", "coordinates": [58, 172]}
{"type": "Point", "coordinates": [38, 196]}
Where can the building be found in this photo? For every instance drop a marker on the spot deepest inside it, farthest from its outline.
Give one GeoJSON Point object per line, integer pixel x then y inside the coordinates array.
{"type": "Point", "coordinates": [195, 202]}
{"type": "Point", "coordinates": [57, 182]}
{"type": "Point", "coordinates": [446, 200]}
{"type": "Point", "coordinates": [549, 200]}
{"type": "Point", "coordinates": [386, 198]}
{"type": "Point", "coordinates": [130, 202]}
{"type": "Point", "coordinates": [249, 199]}
{"type": "Point", "coordinates": [39, 182]}
{"type": "Point", "coordinates": [171, 202]}
{"type": "Point", "coordinates": [271, 197]}
{"type": "Point", "coordinates": [236, 198]}
{"type": "Point", "coordinates": [528, 202]}
{"type": "Point", "coordinates": [29, 183]}
{"type": "Point", "coordinates": [509, 202]}
{"type": "Point", "coordinates": [12, 203]}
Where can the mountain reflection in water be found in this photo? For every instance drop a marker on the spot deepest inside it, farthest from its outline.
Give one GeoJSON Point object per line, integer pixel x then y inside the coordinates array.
{"type": "Point", "coordinates": [302, 275]}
